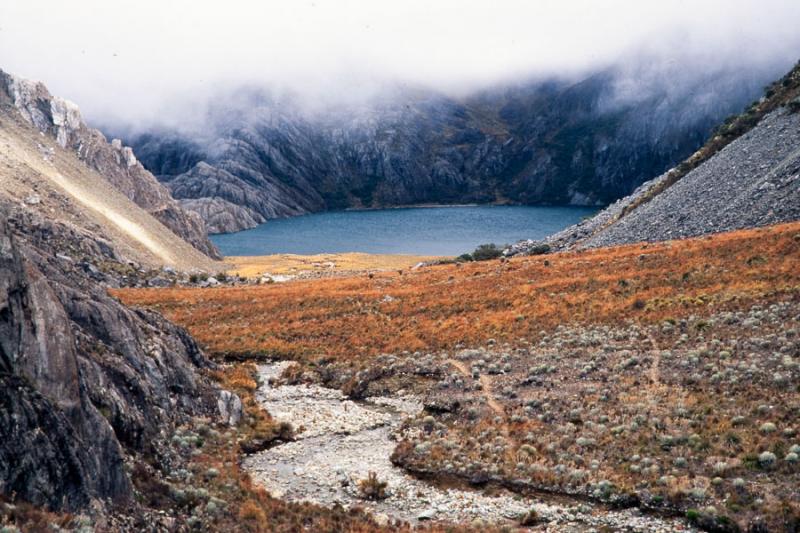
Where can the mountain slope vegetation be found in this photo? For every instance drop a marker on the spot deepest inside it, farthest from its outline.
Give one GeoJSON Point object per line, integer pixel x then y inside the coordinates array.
{"type": "Point", "coordinates": [608, 374]}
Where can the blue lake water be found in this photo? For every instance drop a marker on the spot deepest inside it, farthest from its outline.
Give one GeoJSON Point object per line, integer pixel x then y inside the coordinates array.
{"type": "Point", "coordinates": [413, 230]}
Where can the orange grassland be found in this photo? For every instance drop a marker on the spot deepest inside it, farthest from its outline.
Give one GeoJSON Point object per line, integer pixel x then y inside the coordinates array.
{"type": "Point", "coordinates": [440, 307]}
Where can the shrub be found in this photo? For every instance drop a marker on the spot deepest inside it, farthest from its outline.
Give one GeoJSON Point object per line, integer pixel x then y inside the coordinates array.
{"type": "Point", "coordinates": [372, 488]}
{"type": "Point", "coordinates": [485, 252]}
{"type": "Point", "coordinates": [768, 427]}
{"type": "Point", "coordinates": [540, 249]}
{"type": "Point", "coordinates": [250, 511]}
{"type": "Point", "coordinates": [766, 459]}
{"type": "Point", "coordinates": [738, 420]}
{"type": "Point", "coordinates": [531, 518]}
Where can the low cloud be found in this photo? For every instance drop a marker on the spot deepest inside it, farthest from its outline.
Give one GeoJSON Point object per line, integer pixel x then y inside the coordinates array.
{"type": "Point", "coordinates": [131, 61]}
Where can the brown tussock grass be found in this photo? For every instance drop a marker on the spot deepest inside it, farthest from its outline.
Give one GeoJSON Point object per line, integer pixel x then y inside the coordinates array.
{"type": "Point", "coordinates": [440, 307]}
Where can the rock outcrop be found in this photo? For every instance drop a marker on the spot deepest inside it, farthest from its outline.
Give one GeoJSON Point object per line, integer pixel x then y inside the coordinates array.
{"type": "Point", "coordinates": [555, 142]}
{"type": "Point", "coordinates": [222, 216]}
{"type": "Point", "coordinates": [62, 120]}
{"type": "Point", "coordinates": [754, 181]}
{"type": "Point", "coordinates": [85, 383]}
{"type": "Point", "coordinates": [55, 449]}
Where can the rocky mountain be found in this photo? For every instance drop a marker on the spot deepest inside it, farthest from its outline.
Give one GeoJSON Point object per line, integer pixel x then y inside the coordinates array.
{"type": "Point", "coordinates": [90, 390]}
{"type": "Point", "coordinates": [746, 175]}
{"type": "Point", "coordinates": [87, 384]}
{"type": "Point", "coordinates": [61, 120]}
{"type": "Point", "coordinates": [258, 156]}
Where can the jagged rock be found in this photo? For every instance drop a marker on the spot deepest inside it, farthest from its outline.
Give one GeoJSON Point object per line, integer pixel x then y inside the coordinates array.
{"type": "Point", "coordinates": [55, 448]}
{"type": "Point", "coordinates": [555, 142]}
{"type": "Point", "coordinates": [222, 216]}
{"type": "Point", "coordinates": [62, 120]}
{"type": "Point", "coordinates": [85, 381]}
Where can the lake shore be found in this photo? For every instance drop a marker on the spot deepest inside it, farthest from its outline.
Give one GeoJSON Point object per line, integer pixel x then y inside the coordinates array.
{"type": "Point", "coordinates": [431, 231]}
{"type": "Point", "coordinates": [304, 265]}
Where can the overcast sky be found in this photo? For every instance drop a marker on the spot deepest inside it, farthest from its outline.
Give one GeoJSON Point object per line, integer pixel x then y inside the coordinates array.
{"type": "Point", "coordinates": [125, 57]}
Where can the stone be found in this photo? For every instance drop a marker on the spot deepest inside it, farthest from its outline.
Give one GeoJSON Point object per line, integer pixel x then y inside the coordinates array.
{"type": "Point", "coordinates": [67, 420]}
{"type": "Point", "coordinates": [427, 514]}
{"type": "Point", "coordinates": [230, 407]}
{"type": "Point", "coordinates": [159, 282]}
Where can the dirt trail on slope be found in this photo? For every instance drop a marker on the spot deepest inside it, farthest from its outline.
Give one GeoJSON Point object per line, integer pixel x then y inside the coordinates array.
{"type": "Point", "coordinates": [486, 386]}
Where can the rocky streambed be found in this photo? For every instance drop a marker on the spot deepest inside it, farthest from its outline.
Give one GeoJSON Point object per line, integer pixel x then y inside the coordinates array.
{"type": "Point", "coordinates": [339, 442]}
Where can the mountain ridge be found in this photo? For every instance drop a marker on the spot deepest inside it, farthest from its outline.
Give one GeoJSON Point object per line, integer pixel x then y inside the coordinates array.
{"type": "Point", "coordinates": [585, 142]}
{"type": "Point", "coordinates": [745, 175]}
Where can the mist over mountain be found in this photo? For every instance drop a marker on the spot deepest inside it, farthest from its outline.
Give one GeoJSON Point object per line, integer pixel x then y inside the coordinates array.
{"type": "Point", "coordinates": [249, 154]}
{"type": "Point", "coordinates": [270, 109]}
{"type": "Point", "coordinates": [133, 68]}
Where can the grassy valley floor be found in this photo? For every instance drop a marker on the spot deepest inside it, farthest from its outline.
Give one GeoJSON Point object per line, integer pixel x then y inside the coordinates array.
{"type": "Point", "coordinates": [660, 376]}
{"type": "Point", "coordinates": [321, 264]}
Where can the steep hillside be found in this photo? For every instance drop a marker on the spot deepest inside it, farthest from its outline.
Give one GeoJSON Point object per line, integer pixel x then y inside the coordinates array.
{"type": "Point", "coordinates": [86, 381]}
{"type": "Point", "coordinates": [746, 175]}
{"type": "Point", "coordinates": [40, 174]}
{"type": "Point", "coordinates": [589, 142]}
{"type": "Point", "coordinates": [114, 163]}
{"type": "Point", "coordinates": [90, 390]}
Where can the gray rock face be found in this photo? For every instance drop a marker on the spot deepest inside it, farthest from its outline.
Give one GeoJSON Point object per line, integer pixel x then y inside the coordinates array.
{"type": "Point", "coordinates": [85, 380]}
{"type": "Point", "coordinates": [544, 143]}
{"type": "Point", "coordinates": [62, 120]}
{"type": "Point", "coordinates": [41, 390]}
{"type": "Point", "coordinates": [754, 181]}
{"type": "Point", "coordinates": [222, 216]}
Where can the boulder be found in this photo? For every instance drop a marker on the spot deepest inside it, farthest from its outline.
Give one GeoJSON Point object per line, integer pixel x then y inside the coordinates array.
{"type": "Point", "coordinates": [230, 407]}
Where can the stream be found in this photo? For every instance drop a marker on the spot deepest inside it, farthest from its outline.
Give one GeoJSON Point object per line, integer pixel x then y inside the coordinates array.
{"type": "Point", "coordinates": [339, 441]}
